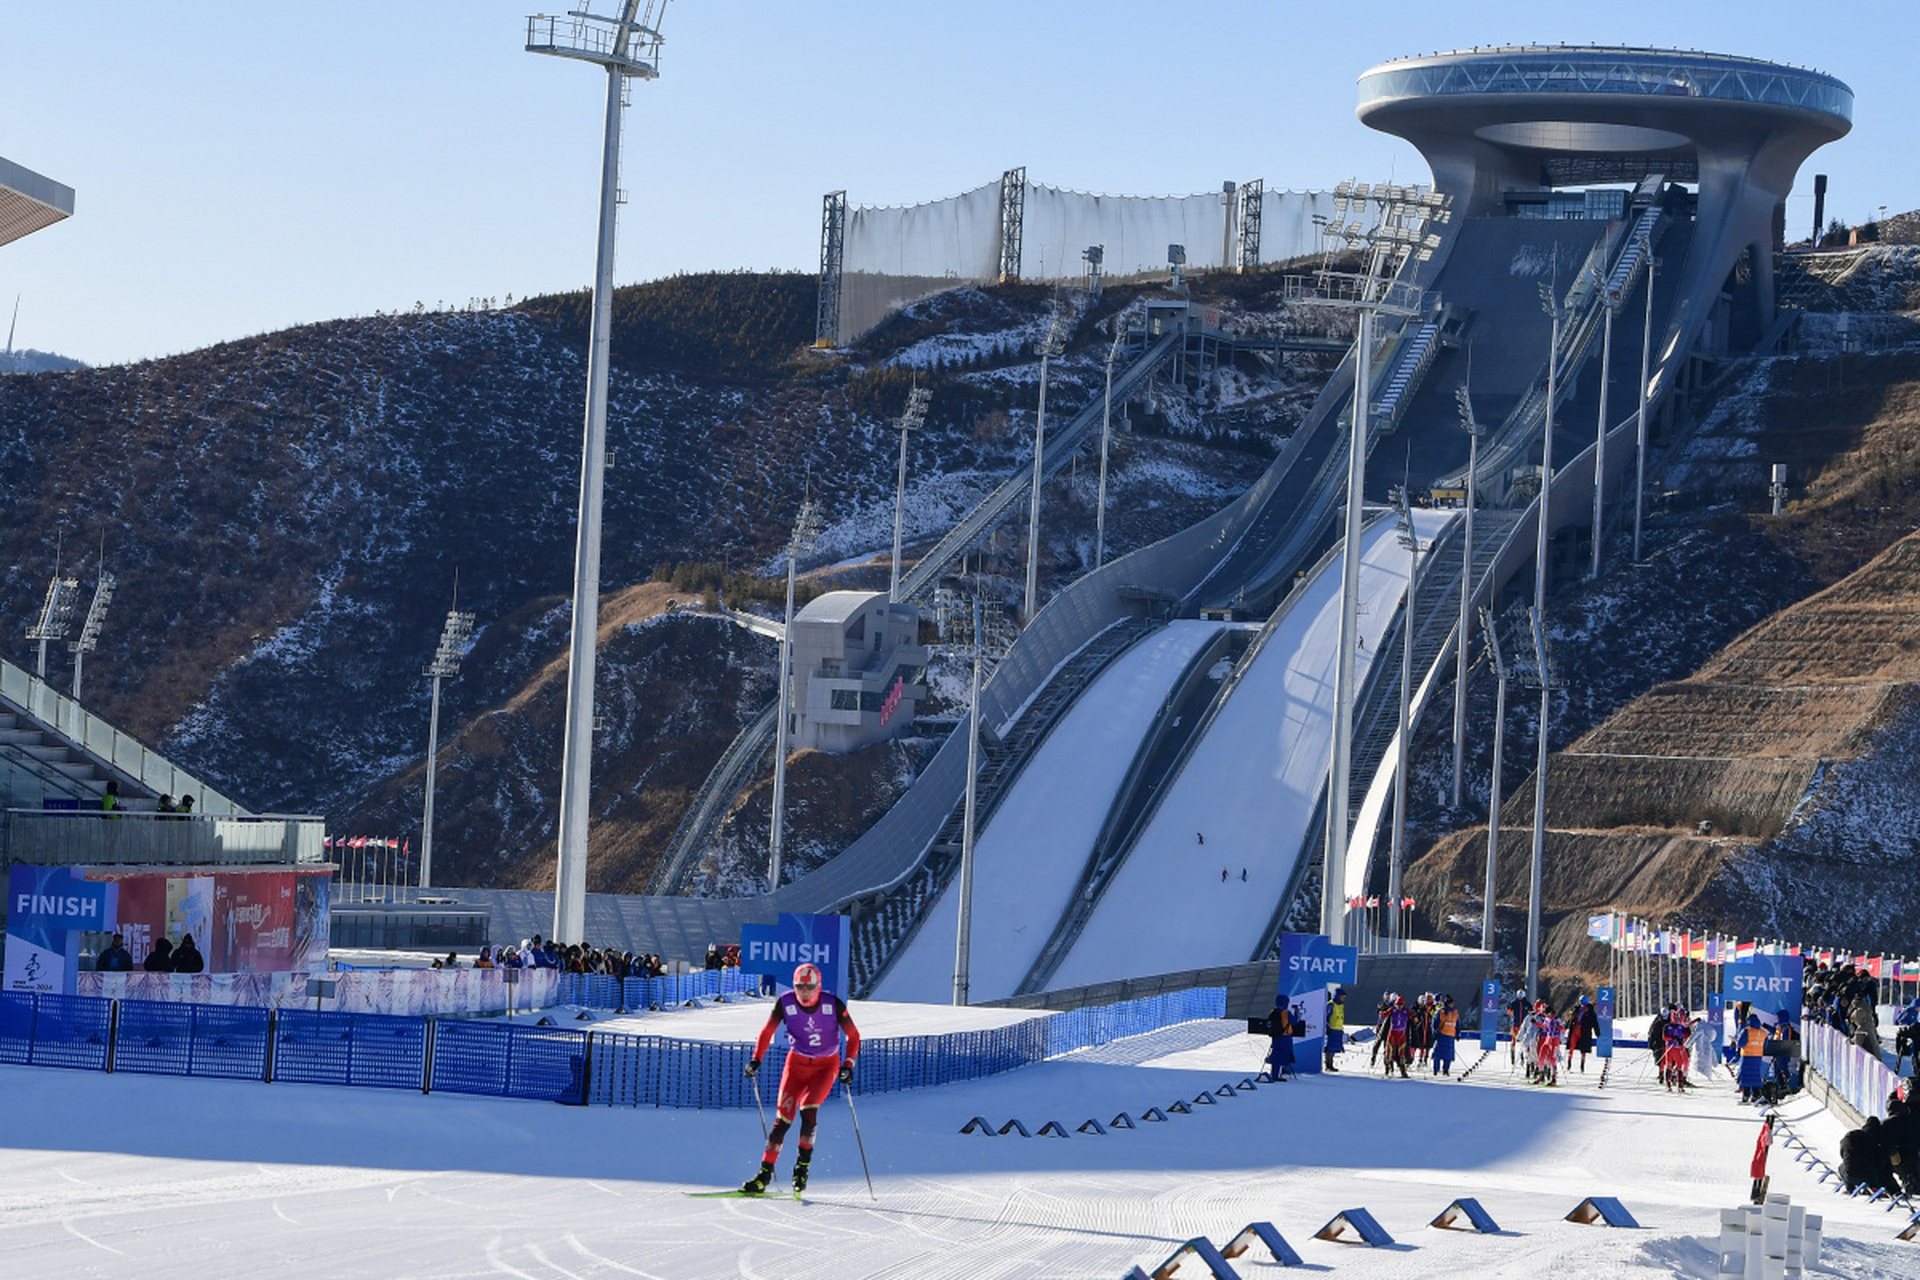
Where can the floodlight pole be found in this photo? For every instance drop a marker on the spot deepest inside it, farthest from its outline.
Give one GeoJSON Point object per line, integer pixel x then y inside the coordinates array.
{"type": "Point", "coordinates": [56, 615]}
{"type": "Point", "coordinates": [1106, 437]}
{"type": "Point", "coordinates": [963, 946]}
{"type": "Point", "coordinates": [445, 666]}
{"type": "Point", "coordinates": [1646, 387]}
{"type": "Point", "coordinates": [1611, 302]}
{"type": "Point", "coordinates": [1050, 346]}
{"type": "Point", "coordinates": [1396, 855]}
{"type": "Point", "coordinates": [1493, 799]}
{"type": "Point", "coordinates": [1542, 548]}
{"type": "Point", "coordinates": [90, 629]}
{"type": "Point", "coordinates": [1334, 878]}
{"type": "Point", "coordinates": [627, 47]}
{"type": "Point", "coordinates": [805, 529]}
{"type": "Point", "coordinates": [915, 415]}
{"type": "Point", "coordinates": [1465, 629]}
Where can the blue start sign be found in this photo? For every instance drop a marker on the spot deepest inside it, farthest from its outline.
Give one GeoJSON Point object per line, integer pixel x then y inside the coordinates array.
{"type": "Point", "coordinates": [1771, 984]}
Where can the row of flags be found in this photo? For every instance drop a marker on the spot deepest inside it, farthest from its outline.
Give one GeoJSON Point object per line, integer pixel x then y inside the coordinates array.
{"type": "Point", "coordinates": [1623, 933]}
{"type": "Point", "coordinates": [1364, 902]}
{"type": "Point", "coordinates": [365, 842]}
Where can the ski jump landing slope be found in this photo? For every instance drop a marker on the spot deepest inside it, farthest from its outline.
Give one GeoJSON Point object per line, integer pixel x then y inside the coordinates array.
{"type": "Point", "coordinates": [1248, 793]}
{"type": "Point", "coordinates": [1028, 860]}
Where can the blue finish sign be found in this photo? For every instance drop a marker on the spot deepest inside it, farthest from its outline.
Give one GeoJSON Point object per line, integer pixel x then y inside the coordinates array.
{"type": "Point", "coordinates": [47, 909]}
{"type": "Point", "coordinates": [1770, 983]}
{"type": "Point", "coordinates": [1489, 1014]}
{"type": "Point", "coordinates": [778, 949]}
{"type": "Point", "coordinates": [1603, 1013]}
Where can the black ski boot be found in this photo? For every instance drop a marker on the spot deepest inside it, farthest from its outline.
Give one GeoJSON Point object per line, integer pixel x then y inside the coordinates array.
{"type": "Point", "coordinates": [757, 1184]}
{"type": "Point", "coordinates": [800, 1169]}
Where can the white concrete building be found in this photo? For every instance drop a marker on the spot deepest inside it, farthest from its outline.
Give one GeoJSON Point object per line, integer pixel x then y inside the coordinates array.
{"type": "Point", "coordinates": [857, 667]}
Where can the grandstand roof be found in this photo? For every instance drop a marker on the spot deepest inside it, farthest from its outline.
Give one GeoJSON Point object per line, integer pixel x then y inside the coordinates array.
{"type": "Point", "coordinates": [29, 202]}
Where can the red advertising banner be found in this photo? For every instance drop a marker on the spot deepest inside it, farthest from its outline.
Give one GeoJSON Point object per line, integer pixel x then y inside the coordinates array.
{"type": "Point", "coordinates": [243, 919]}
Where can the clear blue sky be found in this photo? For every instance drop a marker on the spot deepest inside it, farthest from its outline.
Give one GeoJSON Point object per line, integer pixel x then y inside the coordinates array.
{"type": "Point", "coordinates": [246, 166]}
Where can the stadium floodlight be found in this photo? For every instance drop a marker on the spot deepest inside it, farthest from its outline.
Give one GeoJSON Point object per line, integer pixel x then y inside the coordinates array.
{"type": "Point", "coordinates": [1646, 390]}
{"type": "Point", "coordinates": [1556, 308]}
{"type": "Point", "coordinates": [627, 44]}
{"type": "Point", "coordinates": [1611, 301]}
{"type": "Point", "coordinates": [1464, 397]}
{"type": "Point", "coordinates": [445, 666]}
{"type": "Point", "coordinates": [806, 531]}
{"type": "Point", "coordinates": [911, 420]}
{"type": "Point", "coordinates": [56, 615]}
{"type": "Point", "coordinates": [1388, 247]}
{"type": "Point", "coordinates": [1410, 539]}
{"type": "Point", "coordinates": [90, 629]}
{"type": "Point", "coordinates": [1106, 438]}
{"type": "Point", "coordinates": [1050, 348]}
{"type": "Point", "coordinates": [1094, 255]}
{"type": "Point", "coordinates": [1501, 672]}
{"type": "Point", "coordinates": [987, 636]}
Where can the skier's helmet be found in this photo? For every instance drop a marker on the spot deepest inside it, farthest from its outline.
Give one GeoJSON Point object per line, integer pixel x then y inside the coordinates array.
{"type": "Point", "coordinates": [806, 981]}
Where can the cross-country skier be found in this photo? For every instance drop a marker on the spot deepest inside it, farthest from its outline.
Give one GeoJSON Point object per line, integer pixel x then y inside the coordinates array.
{"type": "Point", "coordinates": [1550, 1030]}
{"type": "Point", "coordinates": [814, 1020]}
{"type": "Point", "coordinates": [1398, 1023]}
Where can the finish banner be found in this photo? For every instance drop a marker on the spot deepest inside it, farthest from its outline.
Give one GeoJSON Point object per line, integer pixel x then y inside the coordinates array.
{"type": "Point", "coordinates": [50, 910]}
{"type": "Point", "coordinates": [777, 950]}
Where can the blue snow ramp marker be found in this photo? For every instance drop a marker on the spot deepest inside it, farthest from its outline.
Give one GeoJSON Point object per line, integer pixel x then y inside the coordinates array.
{"type": "Point", "coordinates": [1469, 1209]}
{"type": "Point", "coordinates": [1358, 1222]}
{"type": "Point", "coordinates": [1603, 1209]}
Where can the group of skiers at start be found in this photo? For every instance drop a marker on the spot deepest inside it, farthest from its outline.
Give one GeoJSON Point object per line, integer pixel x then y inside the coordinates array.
{"type": "Point", "coordinates": [1422, 1033]}
{"type": "Point", "coordinates": [1540, 1036]}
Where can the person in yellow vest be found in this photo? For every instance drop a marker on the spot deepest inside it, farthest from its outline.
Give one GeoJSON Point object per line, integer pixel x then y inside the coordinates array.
{"type": "Point", "coordinates": [1336, 1026]}
{"type": "Point", "coordinates": [1752, 1046]}
{"type": "Point", "coordinates": [1446, 1028]}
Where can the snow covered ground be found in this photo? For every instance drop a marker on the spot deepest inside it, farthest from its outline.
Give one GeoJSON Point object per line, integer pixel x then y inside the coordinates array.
{"type": "Point", "coordinates": [1029, 859]}
{"type": "Point", "coordinates": [1249, 791]}
{"type": "Point", "coordinates": [124, 1175]}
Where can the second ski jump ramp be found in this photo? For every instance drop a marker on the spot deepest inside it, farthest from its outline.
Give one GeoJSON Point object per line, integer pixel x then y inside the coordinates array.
{"type": "Point", "coordinates": [1030, 858]}
{"type": "Point", "coordinates": [1250, 786]}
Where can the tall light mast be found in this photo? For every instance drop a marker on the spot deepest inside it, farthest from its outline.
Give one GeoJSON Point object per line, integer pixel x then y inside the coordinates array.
{"type": "Point", "coordinates": [806, 529]}
{"type": "Point", "coordinates": [627, 45]}
{"type": "Point", "coordinates": [912, 420]}
{"type": "Point", "coordinates": [56, 616]}
{"type": "Point", "coordinates": [1049, 349]}
{"type": "Point", "coordinates": [90, 629]}
{"type": "Point", "coordinates": [445, 666]}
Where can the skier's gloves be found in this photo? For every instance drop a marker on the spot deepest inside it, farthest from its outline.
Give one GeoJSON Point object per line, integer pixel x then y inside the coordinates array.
{"type": "Point", "coordinates": [752, 1068]}
{"type": "Point", "coordinates": [846, 1073]}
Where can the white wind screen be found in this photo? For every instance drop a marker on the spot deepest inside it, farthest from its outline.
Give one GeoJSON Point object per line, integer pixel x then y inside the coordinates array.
{"type": "Point", "coordinates": [897, 254]}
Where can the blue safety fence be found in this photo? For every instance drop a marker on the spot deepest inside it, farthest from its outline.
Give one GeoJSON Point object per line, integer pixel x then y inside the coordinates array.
{"type": "Point", "coordinates": [502, 1060]}
{"type": "Point", "coordinates": [371, 1050]}
{"type": "Point", "coordinates": [158, 1037]}
{"type": "Point", "coordinates": [41, 1029]}
{"type": "Point", "coordinates": [659, 1071]}
{"type": "Point", "coordinates": [599, 991]}
{"type": "Point", "coordinates": [497, 1059]}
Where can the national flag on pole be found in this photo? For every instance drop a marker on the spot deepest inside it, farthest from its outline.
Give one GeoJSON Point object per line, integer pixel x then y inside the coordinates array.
{"type": "Point", "coordinates": [1826, 957]}
{"type": "Point", "coordinates": [1743, 951]}
{"type": "Point", "coordinates": [1357, 901]}
{"type": "Point", "coordinates": [392, 843]}
{"type": "Point", "coordinates": [1873, 966]}
{"type": "Point", "coordinates": [1697, 949]}
{"type": "Point", "coordinates": [358, 842]}
{"type": "Point", "coordinates": [1373, 901]}
{"type": "Point", "coordinates": [1600, 927]}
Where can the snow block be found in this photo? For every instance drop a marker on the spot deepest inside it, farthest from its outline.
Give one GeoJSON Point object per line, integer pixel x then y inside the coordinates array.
{"type": "Point", "coordinates": [1602, 1209]}
{"type": "Point", "coordinates": [1091, 1126]}
{"type": "Point", "coordinates": [1206, 1100]}
{"type": "Point", "coordinates": [1121, 1121]}
{"type": "Point", "coordinates": [1014, 1126]}
{"type": "Point", "coordinates": [1282, 1252]}
{"type": "Point", "coordinates": [1054, 1127]}
{"type": "Point", "coordinates": [1179, 1108]}
{"type": "Point", "coordinates": [1155, 1113]}
{"type": "Point", "coordinates": [1466, 1214]}
{"type": "Point", "coordinates": [1201, 1248]}
{"type": "Point", "coordinates": [1354, 1226]}
{"type": "Point", "coordinates": [977, 1125]}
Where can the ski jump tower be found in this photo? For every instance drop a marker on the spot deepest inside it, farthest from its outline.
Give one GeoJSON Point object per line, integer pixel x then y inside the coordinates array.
{"type": "Point", "coordinates": [1494, 121]}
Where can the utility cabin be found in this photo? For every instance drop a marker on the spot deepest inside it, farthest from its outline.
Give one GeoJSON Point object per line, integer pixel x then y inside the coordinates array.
{"type": "Point", "coordinates": [858, 670]}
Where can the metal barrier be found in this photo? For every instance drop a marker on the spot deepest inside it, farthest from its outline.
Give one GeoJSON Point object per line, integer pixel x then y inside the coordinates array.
{"type": "Point", "coordinates": [602, 991]}
{"type": "Point", "coordinates": [494, 1059]}
{"type": "Point", "coordinates": [1856, 1075]}
{"type": "Point", "coordinates": [367, 1050]}
{"type": "Point", "coordinates": [161, 1038]}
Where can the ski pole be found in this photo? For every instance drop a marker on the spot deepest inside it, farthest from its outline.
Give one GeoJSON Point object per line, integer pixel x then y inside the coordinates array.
{"type": "Point", "coordinates": [859, 1143]}
{"type": "Point", "coordinates": [759, 1106]}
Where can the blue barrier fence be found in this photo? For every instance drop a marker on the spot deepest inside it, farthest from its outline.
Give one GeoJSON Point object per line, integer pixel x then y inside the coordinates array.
{"type": "Point", "coordinates": [598, 991]}
{"type": "Point", "coordinates": [494, 1059]}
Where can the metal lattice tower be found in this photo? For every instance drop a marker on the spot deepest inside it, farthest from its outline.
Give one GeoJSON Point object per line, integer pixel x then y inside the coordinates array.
{"type": "Point", "coordinates": [90, 629]}
{"type": "Point", "coordinates": [1013, 212]}
{"type": "Point", "coordinates": [627, 46]}
{"type": "Point", "coordinates": [56, 615]}
{"type": "Point", "coordinates": [833, 249]}
{"type": "Point", "coordinates": [1252, 194]}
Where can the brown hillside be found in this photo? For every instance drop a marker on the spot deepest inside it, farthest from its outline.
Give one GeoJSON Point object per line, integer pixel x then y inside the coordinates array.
{"type": "Point", "coordinates": [1771, 738]}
